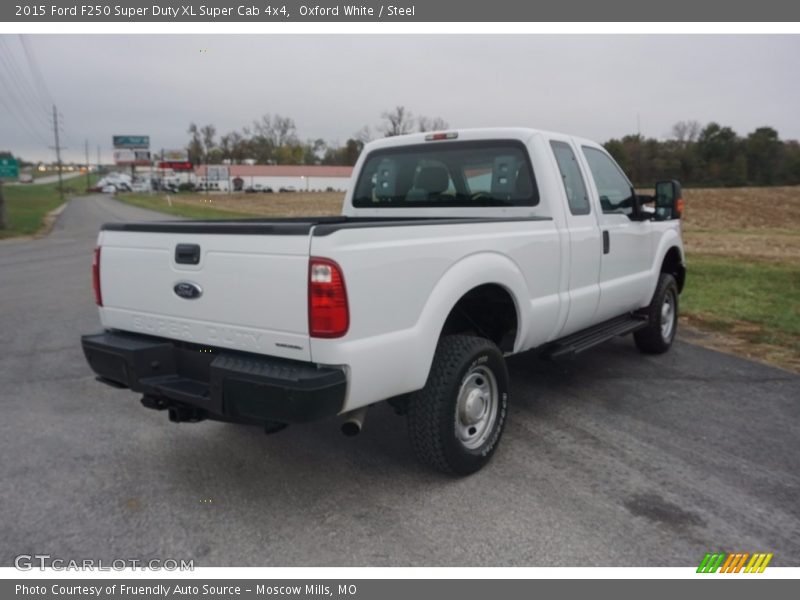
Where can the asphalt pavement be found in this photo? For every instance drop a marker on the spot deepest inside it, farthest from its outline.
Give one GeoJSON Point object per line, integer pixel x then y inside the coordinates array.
{"type": "Point", "coordinates": [613, 459]}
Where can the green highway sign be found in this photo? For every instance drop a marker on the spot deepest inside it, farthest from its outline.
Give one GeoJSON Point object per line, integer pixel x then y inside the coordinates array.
{"type": "Point", "coordinates": [131, 141]}
{"type": "Point", "coordinates": [9, 167]}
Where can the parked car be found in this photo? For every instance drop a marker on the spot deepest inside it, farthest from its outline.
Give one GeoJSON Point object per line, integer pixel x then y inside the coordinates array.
{"type": "Point", "coordinates": [141, 186]}
{"type": "Point", "coordinates": [258, 188]}
{"type": "Point", "coordinates": [453, 251]}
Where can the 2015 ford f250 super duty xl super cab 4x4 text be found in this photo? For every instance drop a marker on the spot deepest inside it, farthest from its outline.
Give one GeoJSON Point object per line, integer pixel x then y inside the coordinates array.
{"type": "Point", "coordinates": [453, 250]}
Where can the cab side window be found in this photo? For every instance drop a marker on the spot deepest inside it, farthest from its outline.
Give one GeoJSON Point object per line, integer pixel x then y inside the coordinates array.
{"type": "Point", "coordinates": [616, 193]}
{"type": "Point", "coordinates": [577, 197]}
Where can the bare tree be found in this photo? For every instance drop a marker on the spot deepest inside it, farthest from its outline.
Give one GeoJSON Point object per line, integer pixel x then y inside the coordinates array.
{"type": "Point", "coordinates": [195, 147]}
{"type": "Point", "coordinates": [284, 131]}
{"type": "Point", "coordinates": [277, 131]}
{"type": "Point", "coordinates": [431, 124]}
{"type": "Point", "coordinates": [208, 132]}
{"type": "Point", "coordinates": [686, 132]}
{"type": "Point", "coordinates": [226, 146]}
{"type": "Point", "coordinates": [364, 135]}
{"type": "Point", "coordinates": [239, 146]}
{"type": "Point", "coordinates": [399, 121]}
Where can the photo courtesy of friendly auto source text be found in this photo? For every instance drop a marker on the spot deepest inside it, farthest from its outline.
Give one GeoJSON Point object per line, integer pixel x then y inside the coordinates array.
{"type": "Point", "coordinates": [316, 290]}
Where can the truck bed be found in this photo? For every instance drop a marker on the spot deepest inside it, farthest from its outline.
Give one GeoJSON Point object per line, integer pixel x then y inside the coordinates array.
{"type": "Point", "coordinates": [320, 226]}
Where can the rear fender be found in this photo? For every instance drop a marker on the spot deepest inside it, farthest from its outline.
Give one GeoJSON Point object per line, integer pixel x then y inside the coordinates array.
{"type": "Point", "coordinates": [467, 274]}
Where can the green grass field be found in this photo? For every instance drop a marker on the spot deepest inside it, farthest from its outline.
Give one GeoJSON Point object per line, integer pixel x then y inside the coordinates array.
{"type": "Point", "coordinates": [159, 203]}
{"type": "Point", "coordinates": [27, 205]}
{"type": "Point", "coordinates": [754, 302]}
{"type": "Point", "coordinates": [743, 282]}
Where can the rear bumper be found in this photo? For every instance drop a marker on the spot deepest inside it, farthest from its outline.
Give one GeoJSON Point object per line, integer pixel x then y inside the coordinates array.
{"type": "Point", "coordinates": [210, 382]}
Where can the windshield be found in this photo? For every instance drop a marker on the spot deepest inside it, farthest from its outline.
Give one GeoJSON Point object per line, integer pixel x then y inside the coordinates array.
{"type": "Point", "coordinates": [436, 174]}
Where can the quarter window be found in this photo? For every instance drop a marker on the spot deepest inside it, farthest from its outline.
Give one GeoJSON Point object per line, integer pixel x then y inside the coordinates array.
{"type": "Point", "coordinates": [577, 198]}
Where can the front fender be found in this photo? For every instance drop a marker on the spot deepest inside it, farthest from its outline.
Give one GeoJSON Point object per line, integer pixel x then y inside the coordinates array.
{"type": "Point", "coordinates": [670, 239]}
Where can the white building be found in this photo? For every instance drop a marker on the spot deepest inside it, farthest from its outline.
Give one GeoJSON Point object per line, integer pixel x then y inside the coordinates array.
{"type": "Point", "coordinates": [301, 178]}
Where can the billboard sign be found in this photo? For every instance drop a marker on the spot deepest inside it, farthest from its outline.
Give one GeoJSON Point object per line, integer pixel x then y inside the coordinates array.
{"type": "Point", "coordinates": [131, 141]}
{"type": "Point", "coordinates": [180, 155]}
{"type": "Point", "coordinates": [9, 167]}
{"type": "Point", "coordinates": [175, 165]}
{"type": "Point", "coordinates": [132, 157]}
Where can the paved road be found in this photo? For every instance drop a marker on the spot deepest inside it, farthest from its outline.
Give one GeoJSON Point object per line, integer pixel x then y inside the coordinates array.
{"type": "Point", "coordinates": [614, 459]}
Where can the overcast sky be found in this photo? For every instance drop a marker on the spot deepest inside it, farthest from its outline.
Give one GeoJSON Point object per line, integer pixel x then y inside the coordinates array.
{"type": "Point", "coordinates": [593, 86]}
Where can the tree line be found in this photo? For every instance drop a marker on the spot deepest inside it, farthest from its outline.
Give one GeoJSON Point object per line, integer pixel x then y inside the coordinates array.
{"type": "Point", "coordinates": [712, 155]}
{"type": "Point", "coordinates": [273, 139]}
{"type": "Point", "coordinates": [697, 155]}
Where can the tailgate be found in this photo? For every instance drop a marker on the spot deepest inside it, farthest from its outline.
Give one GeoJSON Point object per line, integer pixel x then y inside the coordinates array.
{"type": "Point", "coordinates": [253, 291]}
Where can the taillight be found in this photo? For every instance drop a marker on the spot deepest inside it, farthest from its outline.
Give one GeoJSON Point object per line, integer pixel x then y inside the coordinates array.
{"type": "Point", "coordinates": [98, 297]}
{"type": "Point", "coordinates": [328, 315]}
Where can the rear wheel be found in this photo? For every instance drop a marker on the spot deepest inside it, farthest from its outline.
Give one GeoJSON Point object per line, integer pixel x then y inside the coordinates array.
{"type": "Point", "coordinates": [662, 316]}
{"type": "Point", "coordinates": [456, 420]}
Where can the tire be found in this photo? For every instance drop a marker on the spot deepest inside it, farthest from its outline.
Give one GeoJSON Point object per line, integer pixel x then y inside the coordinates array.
{"type": "Point", "coordinates": [456, 420]}
{"type": "Point", "coordinates": [662, 316]}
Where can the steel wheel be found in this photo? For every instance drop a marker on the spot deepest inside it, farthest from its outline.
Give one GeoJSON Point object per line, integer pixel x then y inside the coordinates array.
{"type": "Point", "coordinates": [456, 420]}
{"type": "Point", "coordinates": [667, 316]}
{"type": "Point", "coordinates": [476, 407]}
{"type": "Point", "coordinates": [662, 318]}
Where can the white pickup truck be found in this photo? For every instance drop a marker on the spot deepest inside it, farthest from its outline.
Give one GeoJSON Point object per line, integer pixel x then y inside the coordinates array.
{"type": "Point", "coordinates": [453, 250]}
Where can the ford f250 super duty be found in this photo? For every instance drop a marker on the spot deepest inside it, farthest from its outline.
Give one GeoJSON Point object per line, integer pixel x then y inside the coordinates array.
{"type": "Point", "coordinates": [453, 250]}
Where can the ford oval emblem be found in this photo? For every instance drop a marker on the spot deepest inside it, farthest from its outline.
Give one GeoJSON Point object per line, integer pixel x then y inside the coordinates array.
{"type": "Point", "coordinates": [188, 290]}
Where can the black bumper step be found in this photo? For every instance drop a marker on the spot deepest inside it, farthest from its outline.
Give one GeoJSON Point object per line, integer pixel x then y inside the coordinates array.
{"type": "Point", "coordinates": [219, 384]}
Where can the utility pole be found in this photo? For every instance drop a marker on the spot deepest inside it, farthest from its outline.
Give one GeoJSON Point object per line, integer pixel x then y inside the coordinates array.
{"type": "Point", "coordinates": [2, 207]}
{"type": "Point", "coordinates": [58, 154]}
{"type": "Point", "coordinates": [98, 160]}
{"type": "Point", "coordinates": [88, 176]}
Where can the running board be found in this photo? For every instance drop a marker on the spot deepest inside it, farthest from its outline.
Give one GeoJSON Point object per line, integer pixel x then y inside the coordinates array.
{"type": "Point", "coordinates": [589, 338]}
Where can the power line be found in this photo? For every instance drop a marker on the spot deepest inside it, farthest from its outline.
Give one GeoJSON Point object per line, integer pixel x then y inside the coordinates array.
{"type": "Point", "coordinates": [37, 74]}
{"type": "Point", "coordinates": [21, 75]}
{"type": "Point", "coordinates": [24, 124]}
{"type": "Point", "coordinates": [17, 102]}
{"type": "Point", "coordinates": [40, 82]}
{"type": "Point", "coordinates": [22, 87]}
{"type": "Point", "coordinates": [20, 116]}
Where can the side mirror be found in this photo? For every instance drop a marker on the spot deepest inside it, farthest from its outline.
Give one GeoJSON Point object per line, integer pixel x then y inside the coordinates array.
{"type": "Point", "coordinates": [669, 200]}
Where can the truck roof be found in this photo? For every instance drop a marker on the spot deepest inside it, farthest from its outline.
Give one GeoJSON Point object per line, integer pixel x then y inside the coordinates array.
{"type": "Point", "coordinates": [484, 133]}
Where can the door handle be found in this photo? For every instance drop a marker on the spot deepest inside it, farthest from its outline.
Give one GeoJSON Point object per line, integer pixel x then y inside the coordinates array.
{"type": "Point", "coordinates": [606, 242]}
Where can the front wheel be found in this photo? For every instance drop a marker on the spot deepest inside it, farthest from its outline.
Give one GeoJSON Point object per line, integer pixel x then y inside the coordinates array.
{"type": "Point", "coordinates": [662, 318]}
{"type": "Point", "coordinates": [456, 420]}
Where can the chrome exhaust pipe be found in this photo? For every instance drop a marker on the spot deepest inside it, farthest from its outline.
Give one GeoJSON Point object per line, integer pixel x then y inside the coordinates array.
{"type": "Point", "coordinates": [354, 421]}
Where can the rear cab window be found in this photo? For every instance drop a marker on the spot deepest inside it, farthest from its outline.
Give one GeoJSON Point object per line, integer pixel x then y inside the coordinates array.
{"type": "Point", "coordinates": [447, 174]}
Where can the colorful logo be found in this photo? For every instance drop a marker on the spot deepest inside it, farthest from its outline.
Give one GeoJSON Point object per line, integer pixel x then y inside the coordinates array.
{"type": "Point", "coordinates": [734, 563]}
